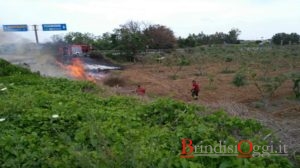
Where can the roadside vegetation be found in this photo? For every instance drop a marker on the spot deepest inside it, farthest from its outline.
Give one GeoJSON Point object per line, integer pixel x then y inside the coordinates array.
{"type": "Point", "coordinates": [53, 122]}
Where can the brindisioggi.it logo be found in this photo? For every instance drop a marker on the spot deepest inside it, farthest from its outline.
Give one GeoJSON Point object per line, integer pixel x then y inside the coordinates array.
{"type": "Point", "coordinates": [242, 149]}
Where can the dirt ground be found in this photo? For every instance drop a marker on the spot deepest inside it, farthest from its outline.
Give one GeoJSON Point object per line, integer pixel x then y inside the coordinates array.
{"type": "Point", "coordinates": [158, 81]}
{"type": "Point", "coordinates": [282, 113]}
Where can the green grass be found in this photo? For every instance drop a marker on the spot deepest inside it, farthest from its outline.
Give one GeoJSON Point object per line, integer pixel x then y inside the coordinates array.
{"type": "Point", "coordinates": [93, 131]}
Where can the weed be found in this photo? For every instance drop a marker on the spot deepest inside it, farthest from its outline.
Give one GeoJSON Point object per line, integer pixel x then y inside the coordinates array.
{"type": "Point", "coordinates": [239, 79]}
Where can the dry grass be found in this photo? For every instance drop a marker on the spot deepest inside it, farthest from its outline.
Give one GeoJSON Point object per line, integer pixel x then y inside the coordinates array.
{"type": "Point", "coordinates": [114, 81]}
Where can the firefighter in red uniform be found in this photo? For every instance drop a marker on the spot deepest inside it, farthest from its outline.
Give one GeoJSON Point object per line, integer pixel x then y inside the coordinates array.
{"type": "Point", "coordinates": [195, 90]}
{"type": "Point", "coordinates": [140, 90]}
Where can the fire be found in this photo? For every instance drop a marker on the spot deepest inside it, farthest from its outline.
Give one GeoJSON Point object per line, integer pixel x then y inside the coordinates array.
{"type": "Point", "coordinates": [76, 70]}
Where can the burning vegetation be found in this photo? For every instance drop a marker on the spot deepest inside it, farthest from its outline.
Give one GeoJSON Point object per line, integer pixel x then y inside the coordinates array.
{"type": "Point", "coordinates": [76, 70]}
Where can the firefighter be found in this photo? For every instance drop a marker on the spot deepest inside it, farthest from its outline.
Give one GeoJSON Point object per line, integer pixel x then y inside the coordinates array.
{"type": "Point", "coordinates": [140, 90]}
{"type": "Point", "coordinates": [195, 90]}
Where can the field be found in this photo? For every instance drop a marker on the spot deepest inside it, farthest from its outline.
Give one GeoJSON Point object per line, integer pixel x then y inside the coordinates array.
{"type": "Point", "coordinates": [57, 122]}
{"type": "Point", "coordinates": [268, 97]}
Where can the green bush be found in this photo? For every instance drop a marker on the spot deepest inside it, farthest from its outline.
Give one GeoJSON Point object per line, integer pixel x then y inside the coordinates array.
{"type": "Point", "coordinates": [239, 79]}
{"type": "Point", "coordinates": [228, 59]}
{"type": "Point", "coordinates": [184, 62]}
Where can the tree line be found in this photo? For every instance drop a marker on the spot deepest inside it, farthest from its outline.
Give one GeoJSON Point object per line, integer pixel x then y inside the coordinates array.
{"type": "Point", "coordinates": [284, 38]}
{"type": "Point", "coordinates": [194, 40]}
{"type": "Point", "coordinates": [133, 37]}
{"type": "Point", "coordinates": [130, 38]}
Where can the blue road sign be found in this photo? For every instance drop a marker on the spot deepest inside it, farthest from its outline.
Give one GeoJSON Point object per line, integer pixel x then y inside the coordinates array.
{"type": "Point", "coordinates": [10, 28]}
{"type": "Point", "coordinates": [54, 27]}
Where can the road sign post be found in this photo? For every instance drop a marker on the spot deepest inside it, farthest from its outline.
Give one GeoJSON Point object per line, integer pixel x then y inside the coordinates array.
{"type": "Point", "coordinates": [36, 34]}
{"type": "Point", "coordinates": [24, 27]}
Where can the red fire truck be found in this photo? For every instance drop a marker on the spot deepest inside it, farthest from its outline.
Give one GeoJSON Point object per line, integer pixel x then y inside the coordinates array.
{"type": "Point", "coordinates": [74, 50]}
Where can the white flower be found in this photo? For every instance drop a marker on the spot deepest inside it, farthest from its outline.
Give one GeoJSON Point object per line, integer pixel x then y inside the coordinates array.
{"type": "Point", "coordinates": [4, 89]}
{"type": "Point", "coordinates": [2, 119]}
{"type": "Point", "coordinates": [55, 116]}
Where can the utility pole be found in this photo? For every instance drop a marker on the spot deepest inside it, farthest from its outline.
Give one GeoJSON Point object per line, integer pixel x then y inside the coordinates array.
{"type": "Point", "coordinates": [36, 34]}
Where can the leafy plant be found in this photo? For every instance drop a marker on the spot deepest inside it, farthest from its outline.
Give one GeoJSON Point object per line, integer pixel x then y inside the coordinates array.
{"type": "Point", "coordinates": [239, 79]}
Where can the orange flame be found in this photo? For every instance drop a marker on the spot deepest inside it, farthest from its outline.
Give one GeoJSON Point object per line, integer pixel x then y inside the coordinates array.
{"type": "Point", "coordinates": [76, 70]}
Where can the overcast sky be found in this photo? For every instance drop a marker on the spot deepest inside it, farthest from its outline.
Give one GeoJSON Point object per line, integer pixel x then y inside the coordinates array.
{"type": "Point", "coordinates": [255, 18]}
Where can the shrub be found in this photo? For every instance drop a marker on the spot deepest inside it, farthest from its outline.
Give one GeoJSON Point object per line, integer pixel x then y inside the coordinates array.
{"type": "Point", "coordinates": [228, 59]}
{"type": "Point", "coordinates": [239, 79]}
{"type": "Point", "coordinates": [184, 62]}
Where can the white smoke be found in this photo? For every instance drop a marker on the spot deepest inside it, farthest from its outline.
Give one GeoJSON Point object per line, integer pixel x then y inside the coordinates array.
{"type": "Point", "coordinates": [9, 37]}
{"type": "Point", "coordinates": [21, 51]}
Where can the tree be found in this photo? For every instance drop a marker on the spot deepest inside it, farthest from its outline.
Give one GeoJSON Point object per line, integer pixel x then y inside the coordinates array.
{"type": "Point", "coordinates": [79, 38]}
{"type": "Point", "coordinates": [104, 42]}
{"type": "Point", "coordinates": [180, 42]}
{"type": "Point", "coordinates": [232, 36]}
{"type": "Point", "coordinates": [159, 37]}
{"type": "Point", "coordinates": [190, 41]}
{"type": "Point", "coordinates": [280, 38]}
{"type": "Point", "coordinates": [202, 39]}
{"type": "Point", "coordinates": [284, 39]}
{"type": "Point", "coordinates": [295, 38]}
{"type": "Point", "coordinates": [218, 38]}
{"type": "Point", "coordinates": [130, 39]}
